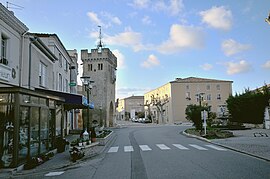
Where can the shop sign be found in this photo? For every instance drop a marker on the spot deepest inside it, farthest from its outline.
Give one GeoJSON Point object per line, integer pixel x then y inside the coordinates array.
{"type": "Point", "coordinates": [5, 73]}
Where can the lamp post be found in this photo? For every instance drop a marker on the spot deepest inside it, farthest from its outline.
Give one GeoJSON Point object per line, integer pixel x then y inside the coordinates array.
{"type": "Point", "coordinates": [200, 96]}
{"type": "Point", "coordinates": [87, 87]}
{"type": "Point", "coordinates": [100, 116]}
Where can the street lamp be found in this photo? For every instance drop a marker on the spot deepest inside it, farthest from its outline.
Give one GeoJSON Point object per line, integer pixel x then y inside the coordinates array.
{"type": "Point", "coordinates": [200, 97]}
{"type": "Point", "coordinates": [87, 87]}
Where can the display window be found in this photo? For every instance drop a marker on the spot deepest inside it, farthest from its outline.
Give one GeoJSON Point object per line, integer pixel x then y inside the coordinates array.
{"type": "Point", "coordinates": [6, 130]}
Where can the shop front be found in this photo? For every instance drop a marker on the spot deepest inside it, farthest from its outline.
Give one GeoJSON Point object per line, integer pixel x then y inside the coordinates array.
{"type": "Point", "coordinates": [30, 123]}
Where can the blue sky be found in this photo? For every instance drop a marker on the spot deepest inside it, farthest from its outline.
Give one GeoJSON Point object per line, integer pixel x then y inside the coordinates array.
{"type": "Point", "coordinates": [157, 41]}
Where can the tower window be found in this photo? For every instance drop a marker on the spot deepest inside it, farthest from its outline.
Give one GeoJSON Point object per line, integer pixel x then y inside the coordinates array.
{"type": "Point", "coordinates": [100, 66]}
{"type": "Point", "coordinates": [90, 67]}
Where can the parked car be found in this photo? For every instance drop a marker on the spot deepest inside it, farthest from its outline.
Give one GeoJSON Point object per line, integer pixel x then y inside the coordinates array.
{"type": "Point", "coordinates": [147, 120]}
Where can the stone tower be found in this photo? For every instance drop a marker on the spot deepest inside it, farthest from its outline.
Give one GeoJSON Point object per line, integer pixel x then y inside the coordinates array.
{"type": "Point", "coordinates": [100, 65]}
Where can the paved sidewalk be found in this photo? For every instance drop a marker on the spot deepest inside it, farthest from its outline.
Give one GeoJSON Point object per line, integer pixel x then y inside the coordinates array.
{"type": "Point", "coordinates": [251, 141]}
{"type": "Point", "coordinates": [59, 161]}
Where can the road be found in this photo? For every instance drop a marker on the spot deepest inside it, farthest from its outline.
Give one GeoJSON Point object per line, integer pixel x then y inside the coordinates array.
{"type": "Point", "coordinates": [163, 152]}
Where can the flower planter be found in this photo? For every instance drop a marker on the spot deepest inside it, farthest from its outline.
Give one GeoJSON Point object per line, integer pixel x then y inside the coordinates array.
{"type": "Point", "coordinates": [105, 140]}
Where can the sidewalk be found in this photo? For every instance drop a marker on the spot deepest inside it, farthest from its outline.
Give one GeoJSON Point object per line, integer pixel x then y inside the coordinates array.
{"type": "Point", "coordinates": [249, 141]}
{"type": "Point", "coordinates": [253, 142]}
{"type": "Point", "coordinates": [59, 161]}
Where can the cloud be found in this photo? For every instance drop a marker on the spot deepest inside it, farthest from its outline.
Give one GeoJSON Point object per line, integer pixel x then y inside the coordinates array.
{"type": "Point", "coordinates": [231, 47]}
{"type": "Point", "coordinates": [267, 65]}
{"type": "Point", "coordinates": [206, 66]}
{"type": "Point", "coordinates": [140, 3]}
{"type": "Point", "coordinates": [217, 17]}
{"type": "Point", "coordinates": [150, 62]}
{"type": "Point", "coordinates": [182, 37]}
{"type": "Point", "coordinates": [111, 18]}
{"type": "Point", "coordinates": [236, 68]}
{"type": "Point", "coordinates": [120, 59]}
{"type": "Point", "coordinates": [125, 92]}
{"type": "Point", "coordinates": [173, 7]}
{"type": "Point", "coordinates": [146, 20]}
{"type": "Point", "coordinates": [104, 19]}
{"type": "Point", "coordinates": [94, 18]}
{"type": "Point", "coordinates": [128, 38]}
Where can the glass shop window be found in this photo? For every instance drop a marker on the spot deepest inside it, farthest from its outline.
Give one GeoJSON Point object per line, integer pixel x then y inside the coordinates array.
{"type": "Point", "coordinates": [34, 131]}
{"type": "Point", "coordinates": [6, 135]}
{"type": "Point", "coordinates": [23, 133]}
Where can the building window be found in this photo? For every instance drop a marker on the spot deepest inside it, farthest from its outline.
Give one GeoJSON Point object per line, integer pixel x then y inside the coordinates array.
{"type": "Point", "coordinates": [188, 96]}
{"type": "Point", "coordinates": [90, 67]}
{"type": "Point", "coordinates": [218, 87]}
{"type": "Point", "coordinates": [3, 59]}
{"type": "Point", "coordinates": [218, 96]}
{"type": "Point", "coordinates": [66, 85]}
{"type": "Point", "coordinates": [208, 97]}
{"type": "Point", "coordinates": [100, 66]}
{"type": "Point", "coordinates": [60, 60]}
{"type": "Point", "coordinates": [42, 74]}
{"type": "Point", "coordinates": [65, 65]}
{"type": "Point", "coordinates": [208, 87]}
{"type": "Point", "coordinates": [60, 82]}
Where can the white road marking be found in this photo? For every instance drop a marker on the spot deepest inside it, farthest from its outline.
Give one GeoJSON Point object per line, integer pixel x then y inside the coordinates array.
{"type": "Point", "coordinates": [179, 146]}
{"type": "Point", "coordinates": [163, 147]}
{"type": "Point", "coordinates": [128, 149]}
{"type": "Point", "coordinates": [50, 174]}
{"type": "Point", "coordinates": [113, 149]}
{"type": "Point", "coordinates": [216, 147]}
{"type": "Point", "coordinates": [197, 147]}
{"type": "Point", "coordinates": [145, 147]}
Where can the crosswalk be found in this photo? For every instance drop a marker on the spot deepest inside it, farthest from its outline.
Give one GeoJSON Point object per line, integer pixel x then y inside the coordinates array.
{"type": "Point", "coordinates": [162, 147]}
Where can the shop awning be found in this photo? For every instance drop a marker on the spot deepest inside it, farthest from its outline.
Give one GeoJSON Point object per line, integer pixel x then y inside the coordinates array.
{"type": "Point", "coordinates": [72, 101]}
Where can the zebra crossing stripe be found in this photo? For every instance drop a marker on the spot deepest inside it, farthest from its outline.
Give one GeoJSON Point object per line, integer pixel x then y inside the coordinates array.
{"type": "Point", "coordinates": [197, 147]}
{"type": "Point", "coordinates": [51, 174]}
{"type": "Point", "coordinates": [216, 147]}
{"type": "Point", "coordinates": [145, 147]}
{"type": "Point", "coordinates": [179, 146]}
{"type": "Point", "coordinates": [113, 149]}
{"type": "Point", "coordinates": [128, 149]}
{"type": "Point", "coordinates": [163, 147]}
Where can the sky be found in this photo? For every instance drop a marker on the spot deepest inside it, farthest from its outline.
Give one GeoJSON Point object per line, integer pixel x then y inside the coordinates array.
{"type": "Point", "coordinates": [156, 41]}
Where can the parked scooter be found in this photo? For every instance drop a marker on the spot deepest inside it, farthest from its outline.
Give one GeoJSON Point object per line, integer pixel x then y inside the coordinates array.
{"type": "Point", "coordinates": [76, 154]}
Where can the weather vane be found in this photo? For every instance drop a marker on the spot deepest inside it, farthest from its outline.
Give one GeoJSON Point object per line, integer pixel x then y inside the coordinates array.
{"type": "Point", "coordinates": [100, 43]}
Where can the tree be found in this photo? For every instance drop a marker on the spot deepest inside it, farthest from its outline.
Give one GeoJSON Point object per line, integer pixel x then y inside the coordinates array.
{"type": "Point", "coordinates": [193, 113]}
{"type": "Point", "coordinates": [156, 101]}
{"type": "Point", "coordinates": [248, 107]}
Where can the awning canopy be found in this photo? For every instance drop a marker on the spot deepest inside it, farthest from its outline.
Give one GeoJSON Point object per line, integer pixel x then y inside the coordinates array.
{"type": "Point", "coordinates": [72, 101]}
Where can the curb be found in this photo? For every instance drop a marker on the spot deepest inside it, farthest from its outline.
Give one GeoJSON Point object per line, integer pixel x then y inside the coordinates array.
{"type": "Point", "coordinates": [225, 146]}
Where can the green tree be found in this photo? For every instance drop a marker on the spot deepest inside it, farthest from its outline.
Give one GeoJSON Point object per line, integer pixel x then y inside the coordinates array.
{"type": "Point", "coordinates": [249, 106]}
{"type": "Point", "coordinates": [193, 113]}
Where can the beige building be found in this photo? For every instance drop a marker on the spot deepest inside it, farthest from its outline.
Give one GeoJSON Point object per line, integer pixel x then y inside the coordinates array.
{"type": "Point", "coordinates": [128, 107]}
{"type": "Point", "coordinates": [171, 99]}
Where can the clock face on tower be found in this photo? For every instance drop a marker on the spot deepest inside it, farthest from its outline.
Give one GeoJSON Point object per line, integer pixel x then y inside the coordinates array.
{"type": "Point", "coordinates": [113, 76]}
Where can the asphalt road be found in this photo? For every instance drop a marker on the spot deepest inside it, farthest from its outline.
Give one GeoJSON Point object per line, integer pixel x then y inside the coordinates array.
{"type": "Point", "coordinates": [162, 152]}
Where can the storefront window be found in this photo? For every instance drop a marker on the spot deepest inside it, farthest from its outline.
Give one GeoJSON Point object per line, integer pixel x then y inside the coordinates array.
{"type": "Point", "coordinates": [23, 133]}
{"type": "Point", "coordinates": [6, 134]}
{"type": "Point", "coordinates": [44, 130]}
{"type": "Point", "coordinates": [7, 98]}
{"type": "Point", "coordinates": [34, 131]}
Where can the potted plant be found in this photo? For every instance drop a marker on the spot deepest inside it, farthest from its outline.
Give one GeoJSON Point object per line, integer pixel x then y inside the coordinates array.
{"type": "Point", "coordinates": [93, 135]}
